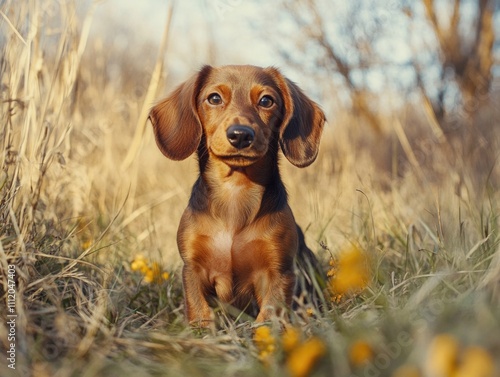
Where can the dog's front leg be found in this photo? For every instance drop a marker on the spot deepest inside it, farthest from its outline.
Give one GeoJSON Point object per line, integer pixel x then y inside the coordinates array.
{"type": "Point", "coordinates": [274, 293]}
{"type": "Point", "coordinates": [198, 311]}
{"type": "Point", "coordinates": [271, 257]}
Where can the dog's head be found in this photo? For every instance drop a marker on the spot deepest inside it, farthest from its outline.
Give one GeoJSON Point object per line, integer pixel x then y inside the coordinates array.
{"type": "Point", "coordinates": [239, 109]}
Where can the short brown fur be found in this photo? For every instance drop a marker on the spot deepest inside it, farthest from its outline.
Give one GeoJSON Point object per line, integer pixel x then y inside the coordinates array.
{"type": "Point", "coordinates": [238, 237]}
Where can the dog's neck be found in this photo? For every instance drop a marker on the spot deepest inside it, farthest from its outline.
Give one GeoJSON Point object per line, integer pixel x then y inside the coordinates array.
{"type": "Point", "coordinates": [238, 196]}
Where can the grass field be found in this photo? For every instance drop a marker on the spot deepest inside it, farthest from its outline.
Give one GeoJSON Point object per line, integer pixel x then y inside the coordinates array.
{"type": "Point", "coordinates": [90, 272]}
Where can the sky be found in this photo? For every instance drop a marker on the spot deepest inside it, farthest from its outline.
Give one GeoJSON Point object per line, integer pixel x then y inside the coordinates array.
{"type": "Point", "coordinates": [213, 32]}
{"type": "Point", "coordinates": [194, 24]}
{"type": "Point", "coordinates": [246, 32]}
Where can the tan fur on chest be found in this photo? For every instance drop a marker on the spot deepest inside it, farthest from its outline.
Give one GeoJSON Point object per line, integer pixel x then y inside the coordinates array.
{"type": "Point", "coordinates": [236, 201]}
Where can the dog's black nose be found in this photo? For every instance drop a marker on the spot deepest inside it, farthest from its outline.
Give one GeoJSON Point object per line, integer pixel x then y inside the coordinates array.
{"type": "Point", "coordinates": [240, 136]}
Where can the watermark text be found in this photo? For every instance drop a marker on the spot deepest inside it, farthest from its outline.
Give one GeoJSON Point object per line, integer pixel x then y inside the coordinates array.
{"type": "Point", "coordinates": [11, 316]}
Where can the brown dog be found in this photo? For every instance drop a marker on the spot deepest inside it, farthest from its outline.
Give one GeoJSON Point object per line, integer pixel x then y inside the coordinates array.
{"type": "Point", "coordinates": [238, 237]}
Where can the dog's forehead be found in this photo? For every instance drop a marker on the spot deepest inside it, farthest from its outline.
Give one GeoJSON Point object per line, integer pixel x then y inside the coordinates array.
{"type": "Point", "coordinates": [241, 76]}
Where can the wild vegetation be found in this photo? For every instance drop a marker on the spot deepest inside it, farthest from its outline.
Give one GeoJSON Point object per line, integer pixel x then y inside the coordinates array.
{"type": "Point", "coordinates": [402, 207]}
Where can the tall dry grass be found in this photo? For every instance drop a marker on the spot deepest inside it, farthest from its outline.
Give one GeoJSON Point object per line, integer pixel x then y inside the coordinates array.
{"type": "Point", "coordinates": [72, 218]}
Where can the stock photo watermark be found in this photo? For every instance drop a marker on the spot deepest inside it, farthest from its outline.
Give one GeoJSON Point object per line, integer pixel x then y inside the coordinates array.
{"type": "Point", "coordinates": [383, 360]}
{"type": "Point", "coordinates": [405, 340]}
{"type": "Point", "coordinates": [11, 316]}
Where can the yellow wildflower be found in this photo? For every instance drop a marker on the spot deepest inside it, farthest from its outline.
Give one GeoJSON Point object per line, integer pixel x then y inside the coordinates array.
{"type": "Point", "coordinates": [138, 263]}
{"type": "Point", "coordinates": [360, 352]}
{"type": "Point", "coordinates": [86, 244]}
{"type": "Point", "coordinates": [304, 357]}
{"type": "Point", "coordinates": [477, 362]}
{"type": "Point", "coordinates": [149, 276]}
{"type": "Point", "coordinates": [290, 339]}
{"type": "Point", "coordinates": [156, 272]}
{"type": "Point", "coordinates": [444, 359]}
{"type": "Point", "coordinates": [442, 356]}
{"type": "Point", "coordinates": [352, 274]}
{"type": "Point", "coordinates": [265, 343]}
{"type": "Point", "coordinates": [336, 298]}
{"type": "Point", "coordinates": [155, 266]}
{"type": "Point", "coordinates": [332, 272]}
{"type": "Point", "coordinates": [152, 272]}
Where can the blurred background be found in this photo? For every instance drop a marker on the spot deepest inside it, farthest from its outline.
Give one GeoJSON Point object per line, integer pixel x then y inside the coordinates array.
{"type": "Point", "coordinates": [410, 88]}
{"type": "Point", "coordinates": [347, 55]}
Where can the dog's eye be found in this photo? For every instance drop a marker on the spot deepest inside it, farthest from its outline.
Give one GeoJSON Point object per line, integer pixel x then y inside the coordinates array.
{"type": "Point", "coordinates": [214, 99]}
{"type": "Point", "coordinates": [266, 102]}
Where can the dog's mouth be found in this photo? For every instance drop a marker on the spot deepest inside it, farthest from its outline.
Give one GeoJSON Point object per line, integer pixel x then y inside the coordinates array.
{"type": "Point", "coordinates": [238, 160]}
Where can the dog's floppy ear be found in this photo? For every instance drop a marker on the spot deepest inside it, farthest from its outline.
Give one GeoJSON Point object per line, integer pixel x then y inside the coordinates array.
{"type": "Point", "coordinates": [175, 120]}
{"type": "Point", "coordinates": [302, 124]}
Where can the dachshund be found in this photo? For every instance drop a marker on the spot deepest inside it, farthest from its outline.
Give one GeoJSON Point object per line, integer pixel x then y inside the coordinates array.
{"type": "Point", "coordinates": [238, 238]}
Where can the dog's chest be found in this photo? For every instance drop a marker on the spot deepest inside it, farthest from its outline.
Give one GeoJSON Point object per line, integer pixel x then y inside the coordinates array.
{"type": "Point", "coordinates": [222, 243]}
{"type": "Point", "coordinates": [228, 244]}
{"type": "Point", "coordinates": [235, 257]}
{"type": "Point", "coordinates": [235, 205]}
